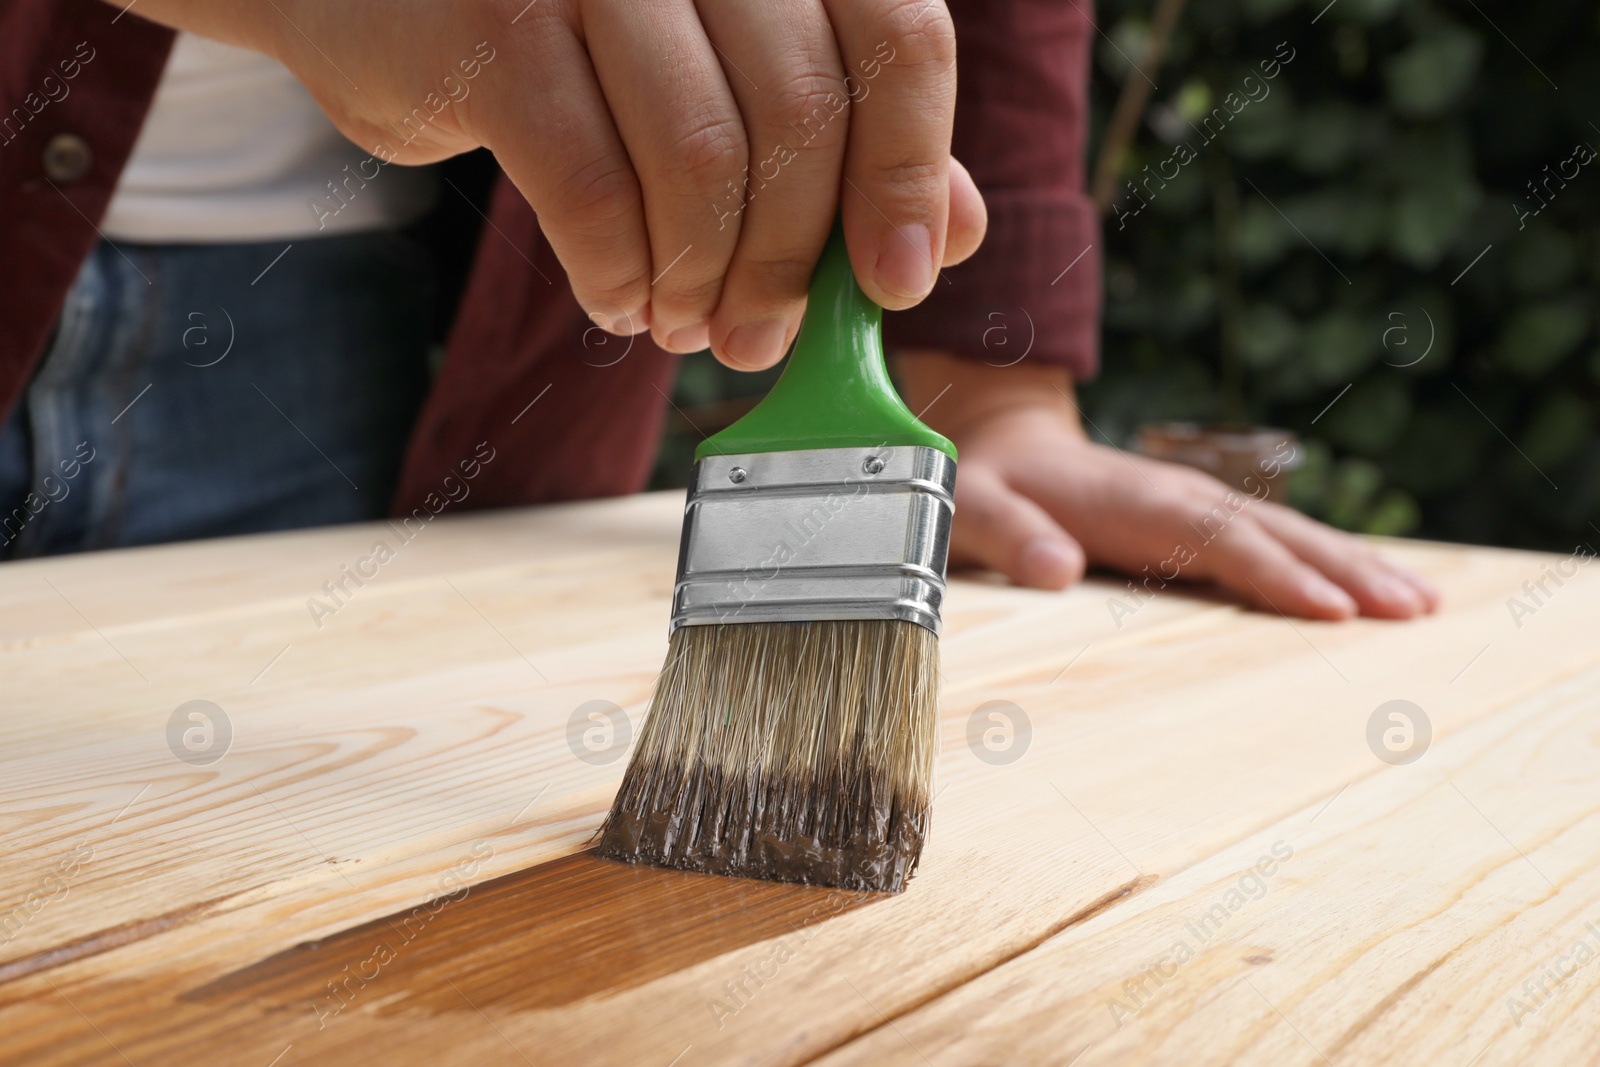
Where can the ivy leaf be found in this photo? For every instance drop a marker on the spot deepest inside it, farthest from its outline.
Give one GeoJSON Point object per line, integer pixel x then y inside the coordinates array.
{"type": "Point", "coordinates": [1371, 11]}
{"type": "Point", "coordinates": [1354, 483]}
{"type": "Point", "coordinates": [1426, 221]}
{"type": "Point", "coordinates": [1557, 429]}
{"type": "Point", "coordinates": [1262, 236]}
{"type": "Point", "coordinates": [1267, 334]}
{"type": "Point", "coordinates": [1326, 137]}
{"type": "Point", "coordinates": [1538, 336]}
{"type": "Point", "coordinates": [1431, 75]}
{"type": "Point", "coordinates": [1338, 346]}
{"type": "Point", "coordinates": [1369, 419]}
{"type": "Point", "coordinates": [1125, 46]}
{"type": "Point", "coordinates": [1264, 126]}
{"type": "Point", "coordinates": [1393, 514]}
{"type": "Point", "coordinates": [1441, 449]}
{"type": "Point", "coordinates": [1540, 259]}
{"type": "Point", "coordinates": [1339, 219]}
{"type": "Point", "coordinates": [1262, 10]}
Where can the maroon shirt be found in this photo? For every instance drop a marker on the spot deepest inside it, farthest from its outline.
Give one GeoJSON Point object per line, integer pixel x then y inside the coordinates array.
{"type": "Point", "coordinates": [76, 78]}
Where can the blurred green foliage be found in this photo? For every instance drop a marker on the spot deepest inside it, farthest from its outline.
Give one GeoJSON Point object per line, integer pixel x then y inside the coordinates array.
{"type": "Point", "coordinates": [1319, 243]}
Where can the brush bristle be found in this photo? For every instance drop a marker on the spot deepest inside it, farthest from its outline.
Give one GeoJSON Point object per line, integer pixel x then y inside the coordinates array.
{"type": "Point", "coordinates": [789, 751]}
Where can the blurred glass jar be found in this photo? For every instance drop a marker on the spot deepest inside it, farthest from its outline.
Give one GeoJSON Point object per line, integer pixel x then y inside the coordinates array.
{"type": "Point", "coordinates": [1248, 458]}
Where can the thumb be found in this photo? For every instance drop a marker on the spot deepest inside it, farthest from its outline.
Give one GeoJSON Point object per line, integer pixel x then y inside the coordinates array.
{"type": "Point", "coordinates": [969, 218]}
{"type": "Point", "coordinates": [999, 528]}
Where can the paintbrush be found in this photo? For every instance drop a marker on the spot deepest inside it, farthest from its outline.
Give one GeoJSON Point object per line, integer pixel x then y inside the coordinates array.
{"type": "Point", "coordinates": [792, 732]}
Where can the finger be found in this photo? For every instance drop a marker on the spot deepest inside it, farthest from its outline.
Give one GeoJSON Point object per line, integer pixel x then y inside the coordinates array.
{"type": "Point", "coordinates": [792, 93]}
{"type": "Point", "coordinates": [999, 528]}
{"type": "Point", "coordinates": [686, 139]}
{"type": "Point", "coordinates": [1429, 592]}
{"type": "Point", "coordinates": [1419, 583]}
{"type": "Point", "coordinates": [1377, 585]}
{"type": "Point", "coordinates": [1245, 558]}
{"type": "Point", "coordinates": [896, 194]}
{"type": "Point", "coordinates": [969, 218]}
{"type": "Point", "coordinates": [1163, 533]}
{"type": "Point", "coordinates": [564, 155]}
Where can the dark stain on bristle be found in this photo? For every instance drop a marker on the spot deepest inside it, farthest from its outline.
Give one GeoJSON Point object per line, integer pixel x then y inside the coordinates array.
{"type": "Point", "coordinates": [821, 776]}
{"type": "Point", "coordinates": [768, 832]}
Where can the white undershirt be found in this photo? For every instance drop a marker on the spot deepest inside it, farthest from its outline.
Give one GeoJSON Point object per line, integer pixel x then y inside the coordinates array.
{"type": "Point", "coordinates": [235, 149]}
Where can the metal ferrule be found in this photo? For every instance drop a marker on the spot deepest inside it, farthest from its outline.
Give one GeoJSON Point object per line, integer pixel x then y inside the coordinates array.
{"type": "Point", "coordinates": [807, 536]}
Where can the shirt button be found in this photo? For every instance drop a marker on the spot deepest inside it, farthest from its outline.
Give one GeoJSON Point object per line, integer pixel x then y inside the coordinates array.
{"type": "Point", "coordinates": [67, 158]}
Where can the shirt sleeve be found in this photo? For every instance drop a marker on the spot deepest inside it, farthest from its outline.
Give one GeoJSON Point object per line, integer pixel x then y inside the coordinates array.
{"type": "Point", "coordinates": [1020, 129]}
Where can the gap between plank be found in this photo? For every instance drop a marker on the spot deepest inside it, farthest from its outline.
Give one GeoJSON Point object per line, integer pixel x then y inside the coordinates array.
{"type": "Point", "coordinates": [1097, 907]}
{"type": "Point", "coordinates": [109, 938]}
{"type": "Point", "coordinates": [1128, 889]}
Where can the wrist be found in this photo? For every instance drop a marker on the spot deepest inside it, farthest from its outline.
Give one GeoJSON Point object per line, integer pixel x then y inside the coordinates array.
{"type": "Point", "coordinates": [950, 393]}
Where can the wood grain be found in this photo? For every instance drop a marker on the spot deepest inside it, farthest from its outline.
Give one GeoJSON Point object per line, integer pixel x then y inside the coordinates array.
{"type": "Point", "coordinates": [1416, 918]}
{"type": "Point", "coordinates": [413, 753]}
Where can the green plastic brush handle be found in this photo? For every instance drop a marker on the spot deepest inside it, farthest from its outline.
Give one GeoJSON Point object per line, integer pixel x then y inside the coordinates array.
{"type": "Point", "coordinates": [835, 391]}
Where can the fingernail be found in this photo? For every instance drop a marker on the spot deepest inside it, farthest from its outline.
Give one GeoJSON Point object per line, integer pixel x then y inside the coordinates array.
{"type": "Point", "coordinates": [1326, 595]}
{"type": "Point", "coordinates": [1430, 596]}
{"type": "Point", "coordinates": [1048, 563]}
{"type": "Point", "coordinates": [905, 265]}
{"type": "Point", "coordinates": [689, 338]}
{"type": "Point", "coordinates": [1394, 592]}
{"type": "Point", "coordinates": [1426, 592]}
{"type": "Point", "coordinates": [757, 344]}
{"type": "Point", "coordinates": [622, 323]}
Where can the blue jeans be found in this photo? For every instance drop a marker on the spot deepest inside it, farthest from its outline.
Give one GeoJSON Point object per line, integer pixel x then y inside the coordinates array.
{"type": "Point", "coordinates": [179, 398]}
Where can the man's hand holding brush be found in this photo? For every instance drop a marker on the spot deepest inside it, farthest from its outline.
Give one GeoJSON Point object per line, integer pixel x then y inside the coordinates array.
{"type": "Point", "coordinates": [646, 134]}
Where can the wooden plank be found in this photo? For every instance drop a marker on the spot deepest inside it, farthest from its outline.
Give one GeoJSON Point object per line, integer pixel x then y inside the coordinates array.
{"type": "Point", "coordinates": [422, 730]}
{"type": "Point", "coordinates": [1442, 912]}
